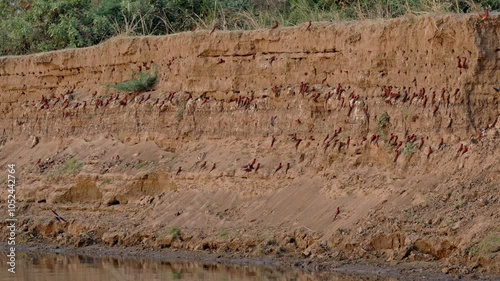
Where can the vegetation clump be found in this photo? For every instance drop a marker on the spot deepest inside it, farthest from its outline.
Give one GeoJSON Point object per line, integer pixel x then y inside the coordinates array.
{"type": "Point", "coordinates": [409, 148]}
{"type": "Point", "coordinates": [141, 81]}
{"type": "Point", "coordinates": [383, 123]}
{"type": "Point", "coordinates": [41, 25]}
{"type": "Point", "coordinates": [71, 167]}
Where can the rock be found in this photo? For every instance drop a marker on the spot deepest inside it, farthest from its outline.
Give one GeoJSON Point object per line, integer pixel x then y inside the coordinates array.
{"type": "Point", "coordinates": [445, 270]}
{"type": "Point", "coordinates": [34, 140]}
{"type": "Point", "coordinates": [113, 238]}
{"type": "Point", "coordinates": [307, 252]}
{"type": "Point", "coordinates": [112, 201]}
{"type": "Point", "coordinates": [164, 242]}
{"type": "Point", "coordinates": [483, 202]}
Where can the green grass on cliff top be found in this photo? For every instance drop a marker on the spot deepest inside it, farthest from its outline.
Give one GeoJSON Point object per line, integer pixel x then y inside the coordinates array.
{"type": "Point", "coordinates": [45, 25]}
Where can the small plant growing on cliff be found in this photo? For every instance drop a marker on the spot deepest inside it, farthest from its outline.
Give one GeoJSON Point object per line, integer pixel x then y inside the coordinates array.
{"type": "Point", "coordinates": [223, 234]}
{"type": "Point", "coordinates": [383, 123]}
{"type": "Point", "coordinates": [180, 111]}
{"type": "Point", "coordinates": [175, 232]}
{"type": "Point", "coordinates": [140, 165]}
{"type": "Point", "coordinates": [409, 149]}
{"type": "Point", "coordinates": [71, 167]}
{"type": "Point", "coordinates": [488, 245]}
{"type": "Point", "coordinates": [141, 81]}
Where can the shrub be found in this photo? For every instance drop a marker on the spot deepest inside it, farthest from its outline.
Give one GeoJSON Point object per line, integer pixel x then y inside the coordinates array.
{"type": "Point", "coordinates": [409, 148]}
{"type": "Point", "coordinates": [175, 232]}
{"type": "Point", "coordinates": [143, 82]}
{"type": "Point", "coordinates": [140, 165]}
{"type": "Point", "coordinates": [383, 123]}
{"type": "Point", "coordinates": [71, 167]}
{"type": "Point", "coordinates": [57, 24]}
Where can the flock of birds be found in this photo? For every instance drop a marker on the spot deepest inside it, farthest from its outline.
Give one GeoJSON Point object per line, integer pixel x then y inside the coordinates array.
{"type": "Point", "coordinates": [340, 98]}
{"type": "Point", "coordinates": [392, 96]}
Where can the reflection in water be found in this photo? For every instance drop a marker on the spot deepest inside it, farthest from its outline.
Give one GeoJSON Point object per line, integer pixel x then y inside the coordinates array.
{"type": "Point", "coordinates": [53, 267]}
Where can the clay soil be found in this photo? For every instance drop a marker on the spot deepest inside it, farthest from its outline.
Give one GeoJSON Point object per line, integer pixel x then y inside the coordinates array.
{"type": "Point", "coordinates": [388, 148]}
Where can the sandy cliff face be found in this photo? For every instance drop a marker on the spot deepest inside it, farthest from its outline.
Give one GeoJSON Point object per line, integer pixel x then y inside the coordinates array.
{"type": "Point", "coordinates": [375, 118]}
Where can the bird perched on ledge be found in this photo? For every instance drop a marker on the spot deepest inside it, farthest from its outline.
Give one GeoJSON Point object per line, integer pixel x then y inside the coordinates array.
{"type": "Point", "coordinates": [485, 15]}
{"type": "Point", "coordinates": [58, 217]}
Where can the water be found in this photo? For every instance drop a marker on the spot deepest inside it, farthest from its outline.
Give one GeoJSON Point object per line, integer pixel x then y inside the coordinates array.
{"type": "Point", "coordinates": [54, 267]}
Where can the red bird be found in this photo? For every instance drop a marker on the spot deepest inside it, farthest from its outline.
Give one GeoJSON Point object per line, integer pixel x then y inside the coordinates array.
{"type": "Point", "coordinates": [494, 123]}
{"type": "Point", "coordinates": [337, 213]}
{"type": "Point", "coordinates": [310, 23]}
{"type": "Point", "coordinates": [429, 152]}
{"type": "Point", "coordinates": [436, 108]}
{"type": "Point", "coordinates": [441, 144]}
{"type": "Point", "coordinates": [399, 144]}
{"type": "Point", "coordinates": [459, 62]}
{"type": "Point", "coordinates": [248, 168]}
{"type": "Point", "coordinates": [464, 63]}
{"type": "Point", "coordinates": [327, 136]}
{"type": "Point", "coordinates": [273, 120]}
{"type": "Point", "coordinates": [123, 102]}
{"type": "Point", "coordinates": [38, 162]}
{"type": "Point", "coordinates": [213, 167]}
{"type": "Point", "coordinates": [350, 110]}
{"type": "Point", "coordinates": [398, 152]}
{"type": "Point", "coordinates": [287, 168]}
{"type": "Point", "coordinates": [257, 168]}
{"type": "Point", "coordinates": [178, 171]}
{"type": "Point", "coordinates": [486, 15]}
{"type": "Point", "coordinates": [421, 143]}
{"type": "Point", "coordinates": [141, 100]}
{"type": "Point", "coordinates": [279, 168]}
{"type": "Point", "coordinates": [276, 25]}
{"type": "Point", "coordinates": [326, 146]}
{"type": "Point", "coordinates": [465, 149]}
{"type": "Point", "coordinates": [272, 141]}
{"type": "Point", "coordinates": [297, 142]}
{"type": "Point", "coordinates": [117, 157]}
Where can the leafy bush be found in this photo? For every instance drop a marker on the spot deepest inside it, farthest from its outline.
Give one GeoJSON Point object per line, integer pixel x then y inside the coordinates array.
{"type": "Point", "coordinates": [143, 82]}
{"type": "Point", "coordinates": [58, 24]}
